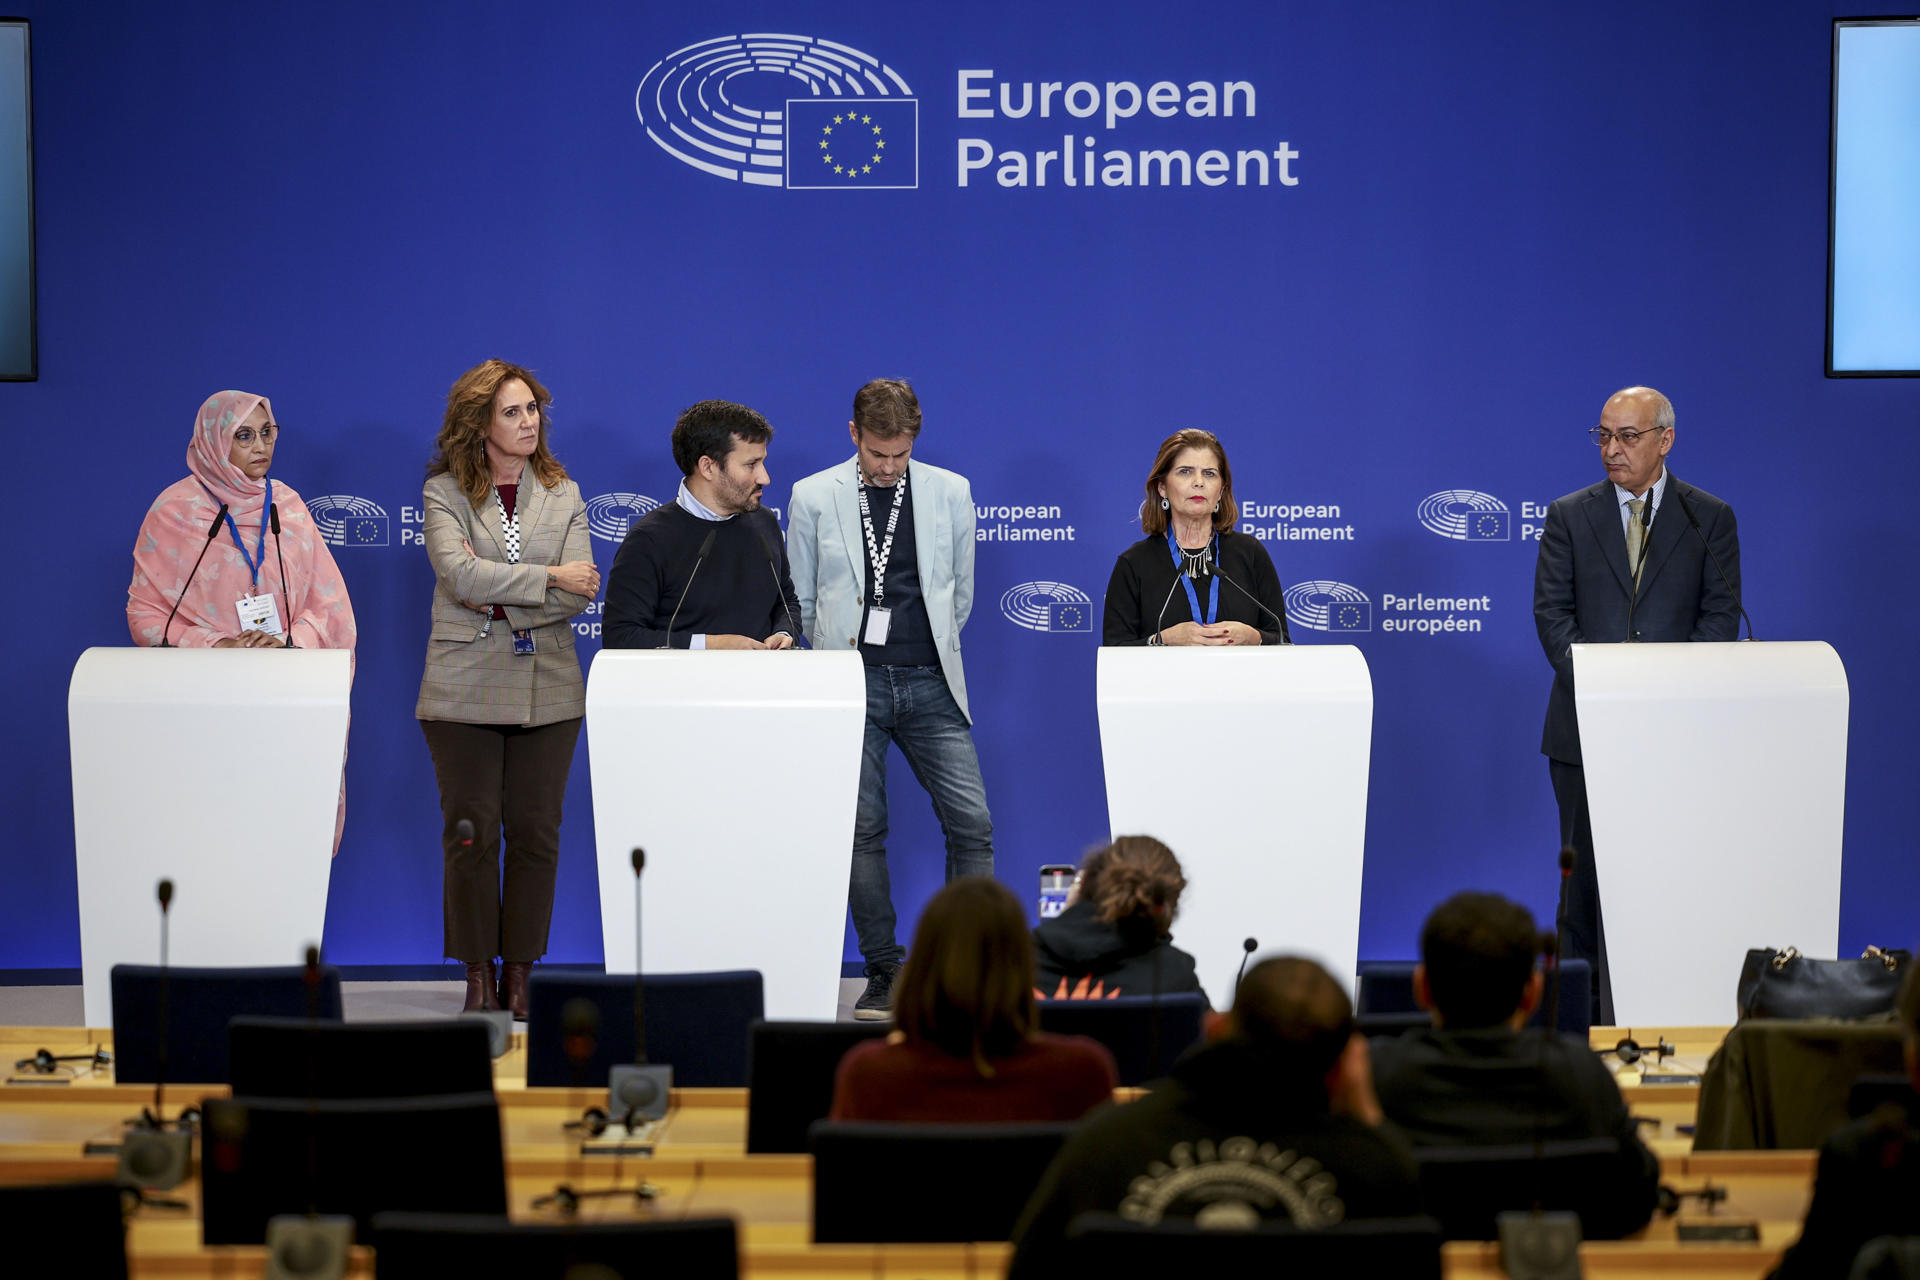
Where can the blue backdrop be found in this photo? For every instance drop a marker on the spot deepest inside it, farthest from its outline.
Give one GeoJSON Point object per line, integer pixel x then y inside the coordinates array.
{"type": "Point", "coordinates": [1496, 215]}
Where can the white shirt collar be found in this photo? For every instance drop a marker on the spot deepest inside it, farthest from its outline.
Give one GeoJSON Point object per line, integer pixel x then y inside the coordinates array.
{"type": "Point", "coordinates": [1658, 492]}
{"type": "Point", "coordinates": [693, 506]}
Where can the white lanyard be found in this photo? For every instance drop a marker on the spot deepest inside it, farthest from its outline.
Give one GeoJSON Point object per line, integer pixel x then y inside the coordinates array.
{"type": "Point", "coordinates": [879, 553]}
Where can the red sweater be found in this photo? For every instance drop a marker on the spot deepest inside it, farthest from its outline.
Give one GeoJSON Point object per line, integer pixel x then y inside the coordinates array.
{"type": "Point", "coordinates": [1050, 1078]}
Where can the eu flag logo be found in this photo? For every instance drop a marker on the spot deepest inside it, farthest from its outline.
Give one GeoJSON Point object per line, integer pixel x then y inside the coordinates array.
{"type": "Point", "coordinates": [1489, 526]}
{"type": "Point", "coordinates": [1350, 615]}
{"type": "Point", "coordinates": [848, 143]}
{"type": "Point", "coordinates": [366, 531]}
{"type": "Point", "coordinates": [1070, 615]}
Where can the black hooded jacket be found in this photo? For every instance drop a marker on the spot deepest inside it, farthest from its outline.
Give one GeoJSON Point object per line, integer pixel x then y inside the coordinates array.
{"type": "Point", "coordinates": [1124, 957]}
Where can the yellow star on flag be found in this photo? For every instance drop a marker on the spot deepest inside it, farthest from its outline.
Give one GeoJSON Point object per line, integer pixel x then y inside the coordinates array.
{"type": "Point", "coordinates": [866, 119]}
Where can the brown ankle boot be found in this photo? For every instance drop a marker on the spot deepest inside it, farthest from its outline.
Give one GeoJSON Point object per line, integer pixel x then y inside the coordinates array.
{"type": "Point", "coordinates": [483, 991]}
{"type": "Point", "coordinates": [513, 986]}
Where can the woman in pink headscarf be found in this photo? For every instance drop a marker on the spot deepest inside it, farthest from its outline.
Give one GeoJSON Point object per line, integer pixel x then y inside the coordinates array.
{"type": "Point", "coordinates": [236, 598]}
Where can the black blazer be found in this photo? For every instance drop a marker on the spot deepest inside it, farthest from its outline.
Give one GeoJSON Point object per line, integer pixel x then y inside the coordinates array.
{"type": "Point", "coordinates": [1144, 575]}
{"type": "Point", "coordinates": [1582, 585]}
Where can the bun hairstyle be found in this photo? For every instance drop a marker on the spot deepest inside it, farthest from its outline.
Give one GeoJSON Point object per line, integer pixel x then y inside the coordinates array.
{"type": "Point", "coordinates": [1134, 883]}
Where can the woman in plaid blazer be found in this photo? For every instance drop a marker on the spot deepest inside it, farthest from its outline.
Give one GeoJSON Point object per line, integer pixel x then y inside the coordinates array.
{"type": "Point", "coordinates": [502, 699]}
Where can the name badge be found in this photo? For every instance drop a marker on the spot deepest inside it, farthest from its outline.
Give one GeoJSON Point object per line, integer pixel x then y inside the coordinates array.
{"type": "Point", "coordinates": [258, 613]}
{"type": "Point", "coordinates": [523, 642]}
{"type": "Point", "coordinates": [878, 620]}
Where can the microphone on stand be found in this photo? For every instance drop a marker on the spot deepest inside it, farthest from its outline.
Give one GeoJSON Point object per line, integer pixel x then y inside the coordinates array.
{"type": "Point", "coordinates": [1286, 635]}
{"type": "Point", "coordinates": [311, 1244]}
{"type": "Point", "coordinates": [1559, 936]}
{"type": "Point", "coordinates": [700, 558]}
{"type": "Point", "coordinates": [639, 1091]}
{"type": "Point", "coordinates": [1249, 946]}
{"type": "Point", "coordinates": [213, 531]}
{"type": "Point", "coordinates": [1693, 522]}
{"type": "Point", "coordinates": [1154, 639]}
{"type": "Point", "coordinates": [773, 563]}
{"type": "Point", "coordinates": [286, 623]}
{"type": "Point", "coordinates": [152, 1156]}
{"type": "Point", "coordinates": [1646, 542]}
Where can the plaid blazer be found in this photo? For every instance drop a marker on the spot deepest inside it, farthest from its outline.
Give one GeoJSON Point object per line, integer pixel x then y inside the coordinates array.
{"type": "Point", "coordinates": [473, 675]}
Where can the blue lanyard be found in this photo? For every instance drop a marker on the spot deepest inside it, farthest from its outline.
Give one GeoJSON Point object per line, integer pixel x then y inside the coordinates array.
{"type": "Point", "coordinates": [1213, 582]}
{"type": "Point", "coordinates": [261, 551]}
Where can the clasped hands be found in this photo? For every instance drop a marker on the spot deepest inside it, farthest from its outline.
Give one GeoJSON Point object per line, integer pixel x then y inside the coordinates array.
{"type": "Point", "coordinates": [1218, 633]}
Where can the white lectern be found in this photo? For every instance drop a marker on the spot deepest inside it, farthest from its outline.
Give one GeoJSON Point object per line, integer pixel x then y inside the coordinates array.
{"type": "Point", "coordinates": [739, 774]}
{"type": "Point", "coordinates": [1251, 764]}
{"type": "Point", "coordinates": [220, 770]}
{"type": "Point", "coordinates": [1716, 782]}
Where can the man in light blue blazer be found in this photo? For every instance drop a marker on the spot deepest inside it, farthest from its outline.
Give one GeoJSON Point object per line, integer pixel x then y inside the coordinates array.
{"type": "Point", "coordinates": [882, 556]}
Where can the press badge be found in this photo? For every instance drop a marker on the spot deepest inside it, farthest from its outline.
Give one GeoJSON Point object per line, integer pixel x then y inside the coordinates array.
{"type": "Point", "coordinates": [878, 620]}
{"type": "Point", "coordinates": [258, 613]}
{"type": "Point", "coordinates": [523, 642]}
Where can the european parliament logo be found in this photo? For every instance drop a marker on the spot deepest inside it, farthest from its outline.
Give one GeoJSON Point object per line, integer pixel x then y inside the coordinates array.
{"type": "Point", "coordinates": [1048, 606]}
{"type": "Point", "coordinates": [1328, 606]}
{"type": "Point", "coordinates": [347, 521]}
{"type": "Point", "coordinates": [611, 515]}
{"type": "Point", "coordinates": [730, 106]}
{"type": "Point", "coordinates": [1466, 515]}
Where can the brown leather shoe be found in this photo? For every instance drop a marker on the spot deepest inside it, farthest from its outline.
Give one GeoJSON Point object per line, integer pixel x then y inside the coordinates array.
{"type": "Point", "coordinates": [483, 990]}
{"type": "Point", "coordinates": [513, 986]}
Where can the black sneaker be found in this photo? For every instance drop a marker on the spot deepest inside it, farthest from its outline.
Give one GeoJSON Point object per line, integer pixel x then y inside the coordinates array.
{"type": "Point", "coordinates": [876, 1002]}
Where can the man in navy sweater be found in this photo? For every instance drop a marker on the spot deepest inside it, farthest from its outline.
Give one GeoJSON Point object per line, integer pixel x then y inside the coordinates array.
{"type": "Point", "coordinates": [739, 594]}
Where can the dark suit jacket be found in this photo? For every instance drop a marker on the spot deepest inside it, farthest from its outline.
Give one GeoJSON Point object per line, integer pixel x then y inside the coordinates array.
{"type": "Point", "coordinates": [1868, 1185]}
{"type": "Point", "coordinates": [1582, 586]}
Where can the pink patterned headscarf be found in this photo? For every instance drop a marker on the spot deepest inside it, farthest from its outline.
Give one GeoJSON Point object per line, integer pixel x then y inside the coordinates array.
{"type": "Point", "coordinates": [210, 451]}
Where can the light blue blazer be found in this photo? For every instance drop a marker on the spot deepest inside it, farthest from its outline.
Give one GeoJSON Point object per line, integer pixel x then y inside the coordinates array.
{"type": "Point", "coordinates": [828, 553]}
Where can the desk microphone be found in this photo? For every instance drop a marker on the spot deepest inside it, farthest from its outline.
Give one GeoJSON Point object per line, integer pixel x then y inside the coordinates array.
{"type": "Point", "coordinates": [1250, 946]}
{"type": "Point", "coordinates": [1559, 937]}
{"type": "Point", "coordinates": [286, 623]}
{"type": "Point", "coordinates": [700, 558]}
{"type": "Point", "coordinates": [152, 1156]}
{"type": "Point", "coordinates": [310, 1245]}
{"type": "Point", "coordinates": [1154, 638]}
{"type": "Point", "coordinates": [773, 563]}
{"type": "Point", "coordinates": [1693, 522]}
{"type": "Point", "coordinates": [213, 531]}
{"type": "Point", "coordinates": [1286, 635]}
{"type": "Point", "coordinates": [639, 1091]}
{"type": "Point", "coordinates": [1646, 543]}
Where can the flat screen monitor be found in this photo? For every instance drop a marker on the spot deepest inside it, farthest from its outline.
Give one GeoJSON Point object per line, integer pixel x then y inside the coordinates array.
{"type": "Point", "coordinates": [19, 355]}
{"type": "Point", "coordinates": [1873, 257]}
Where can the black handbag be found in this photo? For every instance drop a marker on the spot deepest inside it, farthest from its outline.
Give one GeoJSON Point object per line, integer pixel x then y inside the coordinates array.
{"type": "Point", "coordinates": [1786, 984]}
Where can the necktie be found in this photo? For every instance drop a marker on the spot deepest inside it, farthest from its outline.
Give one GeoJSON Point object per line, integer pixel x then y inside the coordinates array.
{"type": "Point", "coordinates": [1636, 535]}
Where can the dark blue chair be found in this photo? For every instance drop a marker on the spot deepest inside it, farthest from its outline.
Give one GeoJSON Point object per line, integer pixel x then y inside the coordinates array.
{"type": "Point", "coordinates": [898, 1183]}
{"type": "Point", "coordinates": [1107, 1244]}
{"type": "Point", "coordinates": [1466, 1188]}
{"type": "Point", "coordinates": [74, 1228]}
{"type": "Point", "coordinates": [429, 1246]}
{"type": "Point", "coordinates": [199, 1004]}
{"type": "Point", "coordinates": [696, 1023]}
{"type": "Point", "coordinates": [1144, 1034]}
{"type": "Point", "coordinates": [261, 1157]}
{"type": "Point", "coordinates": [1386, 1005]}
{"type": "Point", "coordinates": [297, 1058]}
{"type": "Point", "coordinates": [790, 1072]}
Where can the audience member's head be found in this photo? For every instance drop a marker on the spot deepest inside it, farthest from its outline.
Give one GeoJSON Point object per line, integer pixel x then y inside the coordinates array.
{"type": "Point", "coordinates": [967, 986]}
{"type": "Point", "coordinates": [1134, 883]}
{"type": "Point", "coordinates": [1476, 953]}
{"type": "Point", "coordinates": [1295, 1014]}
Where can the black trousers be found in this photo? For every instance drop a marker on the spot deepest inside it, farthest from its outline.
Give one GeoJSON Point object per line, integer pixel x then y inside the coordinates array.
{"type": "Point", "coordinates": [510, 783]}
{"type": "Point", "coordinates": [1586, 933]}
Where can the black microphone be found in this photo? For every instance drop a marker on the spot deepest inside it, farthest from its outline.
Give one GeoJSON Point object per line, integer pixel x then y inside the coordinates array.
{"type": "Point", "coordinates": [213, 531]}
{"type": "Point", "coordinates": [1162, 617]}
{"type": "Point", "coordinates": [639, 985]}
{"type": "Point", "coordinates": [152, 1156]}
{"type": "Point", "coordinates": [1250, 945]}
{"type": "Point", "coordinates": [773, 563]}
{"type": "Point", "coordinates": [639, 1092]}
{"type": "Point", "coordinates": [1286, 636]}
{"type": "Point", "coordinates": [699, 558]}
{"type": "Point", "coordinates": [164, 892]}
{"type": "Point", "coordinates": [286, 623]}
{"type": "Point", "coordinates": [1693, 522]}
{"type": "Point", "coordinates": [1646, 542]}
{"type": "Point", "coordinates": [1559, 937]}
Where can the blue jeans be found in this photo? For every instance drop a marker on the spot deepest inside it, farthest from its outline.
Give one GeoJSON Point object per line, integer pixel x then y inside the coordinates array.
{"type": "Point", "coordinates": [913, 707]}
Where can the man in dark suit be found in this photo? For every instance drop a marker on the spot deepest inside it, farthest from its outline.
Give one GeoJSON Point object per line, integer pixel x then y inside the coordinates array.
{"type": "Point", "coordinates": [1597, 542]}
